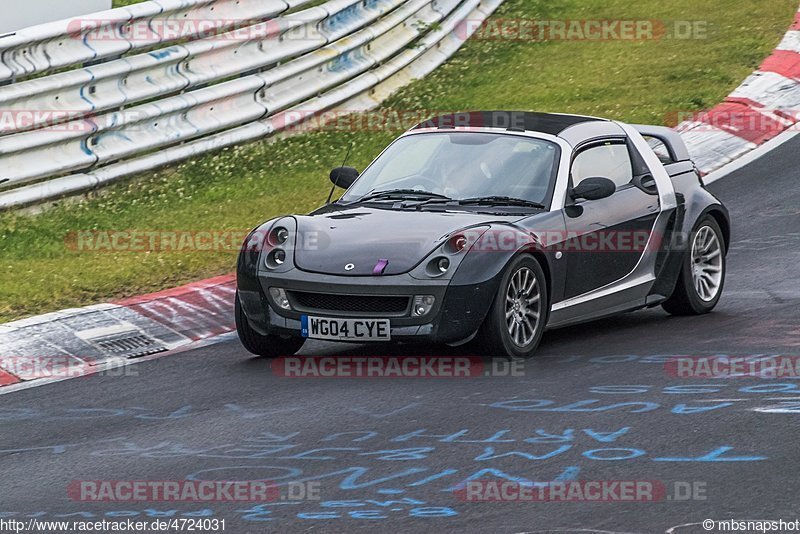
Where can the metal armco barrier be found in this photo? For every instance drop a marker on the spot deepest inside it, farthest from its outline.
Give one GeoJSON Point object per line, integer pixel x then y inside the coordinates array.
{"type": "Point", "coordinates": [136, 88]}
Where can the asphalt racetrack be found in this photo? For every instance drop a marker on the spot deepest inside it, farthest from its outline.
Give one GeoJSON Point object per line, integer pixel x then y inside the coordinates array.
{"type": "Point", "coordinates": [387, 453]}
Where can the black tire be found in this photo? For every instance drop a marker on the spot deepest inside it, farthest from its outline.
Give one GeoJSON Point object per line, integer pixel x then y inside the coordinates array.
{"type": "Point", "coordinates": [686, 299]}
{"type": "Point", "coordinates": [495, 335]}
{"type": "Point", "coordinates": [265, 346]}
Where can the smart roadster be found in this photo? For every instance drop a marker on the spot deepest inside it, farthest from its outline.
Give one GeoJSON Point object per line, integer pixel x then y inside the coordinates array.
{"type": "Point", "coordinates": [492, 227]}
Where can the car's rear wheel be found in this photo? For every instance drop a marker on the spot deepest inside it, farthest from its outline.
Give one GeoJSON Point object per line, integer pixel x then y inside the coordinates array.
{"type": "Point", "coordinates": [518, 315]}
{"type": "Point", "coordinates": [269, 346]}
{"type": "Point", "coordinates": [702, 275]}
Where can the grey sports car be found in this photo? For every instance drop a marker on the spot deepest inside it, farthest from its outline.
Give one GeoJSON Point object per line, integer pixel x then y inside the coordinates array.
{"type": "Point", "coordinates": [489, 226]}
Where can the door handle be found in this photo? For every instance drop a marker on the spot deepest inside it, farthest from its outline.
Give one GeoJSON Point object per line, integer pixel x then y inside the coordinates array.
{"type": "Point", "coordinates": [646, 183]}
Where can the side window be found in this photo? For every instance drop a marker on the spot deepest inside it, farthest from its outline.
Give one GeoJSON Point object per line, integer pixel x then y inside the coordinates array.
{"type": "Point", "coordinates": [610, 160]}
{"type": "Point", "coordinates": [661, 150]}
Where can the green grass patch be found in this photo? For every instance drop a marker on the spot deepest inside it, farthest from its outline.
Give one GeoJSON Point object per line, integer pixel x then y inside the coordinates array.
{"type": "Point", "coordinates": [641, 81]}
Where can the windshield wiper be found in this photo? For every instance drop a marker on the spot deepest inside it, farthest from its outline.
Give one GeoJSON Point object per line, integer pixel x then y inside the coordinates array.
{"type": "Point", "coordinates": [400, 193]}
{"type": "Point", "coordinates": [501, 201]}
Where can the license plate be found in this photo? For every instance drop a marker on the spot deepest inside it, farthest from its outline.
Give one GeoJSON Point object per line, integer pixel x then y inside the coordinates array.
{"type": "Point", "coordinates": [345, 329]}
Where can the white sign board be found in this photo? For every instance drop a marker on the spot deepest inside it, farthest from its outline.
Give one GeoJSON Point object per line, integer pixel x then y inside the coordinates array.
{"type": "Point", "coordinates": [18, 14]}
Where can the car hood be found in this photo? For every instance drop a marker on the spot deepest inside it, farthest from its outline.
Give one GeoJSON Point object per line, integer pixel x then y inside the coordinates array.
{"type": "Point", "coordinates": [361, 237]}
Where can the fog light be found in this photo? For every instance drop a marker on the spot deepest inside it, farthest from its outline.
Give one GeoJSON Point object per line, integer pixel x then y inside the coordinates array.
{"type": "Point", "coordinates": [279, 297]}
{"type": "Point", "coordinates": [443, 264]}
{"type": "Point", "coordinates": [423, 304]}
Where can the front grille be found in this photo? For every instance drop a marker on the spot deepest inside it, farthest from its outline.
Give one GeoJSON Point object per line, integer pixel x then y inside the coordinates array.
{"type": "Point", "coordinates": [369, 305]}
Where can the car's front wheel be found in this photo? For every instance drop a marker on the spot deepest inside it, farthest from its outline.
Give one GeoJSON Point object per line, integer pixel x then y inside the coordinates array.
{"type": "Point", "coordinates": [518, 315]}
{"type": "Point", "coordinates": [702, 275]}
{"type": "Point", "coordinates": [269, 346]}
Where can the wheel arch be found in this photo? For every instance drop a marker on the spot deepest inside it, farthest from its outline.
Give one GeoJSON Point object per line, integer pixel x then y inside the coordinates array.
{"type": "Point", "coordinates": [723, 221]}
{"type": "Point", "coordinates": [541, 257]}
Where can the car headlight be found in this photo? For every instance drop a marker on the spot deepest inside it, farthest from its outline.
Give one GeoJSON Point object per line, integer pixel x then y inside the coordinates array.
{"type": "Point", "coordinates": [456, 244]}
{"type": "Point", "coordinates": [281, 235]}
{"type": "Point", "coordinates": [445, 259]}
{"type": "Point", "coordinates": [279, 251]}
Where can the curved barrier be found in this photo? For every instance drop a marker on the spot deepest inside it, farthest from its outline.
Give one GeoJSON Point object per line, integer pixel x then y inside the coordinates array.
{"type": "Point", "coordinates": [246, 78]}
{"type": "Point", "coordinates": [763, 107]}
{"type": "Point", "coordinates": [119, 31]}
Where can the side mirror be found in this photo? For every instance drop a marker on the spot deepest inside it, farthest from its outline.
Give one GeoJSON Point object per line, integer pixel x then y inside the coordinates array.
{"type": "Point", "coordinates": [344, 176]}
{"type": "Point", "coordinates": [594, 188]}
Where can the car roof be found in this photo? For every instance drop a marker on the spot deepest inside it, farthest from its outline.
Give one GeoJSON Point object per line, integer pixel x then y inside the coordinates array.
{"type": "Point", "coordinates": [548, 123]}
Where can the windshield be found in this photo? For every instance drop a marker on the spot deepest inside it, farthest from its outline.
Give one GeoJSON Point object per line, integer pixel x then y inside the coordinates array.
{"type": "Point", "coordinates": [463, 165]}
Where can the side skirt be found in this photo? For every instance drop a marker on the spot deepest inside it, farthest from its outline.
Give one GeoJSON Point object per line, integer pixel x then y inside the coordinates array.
{"type": "Point", "coordinates": [622, 299]}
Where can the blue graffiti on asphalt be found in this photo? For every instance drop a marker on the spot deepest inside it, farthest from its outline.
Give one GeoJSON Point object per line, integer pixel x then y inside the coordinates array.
{"type": "Point", "coordinates": [539, 444]}
{"type": "Point", "coordinates": [396, 464]}
{"type": "Point", "coordinates": [692, 389]}
{"type": "Point", "coordinates": [658, 359]}
{"type": "Point", "coordinates": [352, 477]}
{"type": "Point", "coordinates": [591, 405]}
{"type": "Point", "coordinates": [236, 411]}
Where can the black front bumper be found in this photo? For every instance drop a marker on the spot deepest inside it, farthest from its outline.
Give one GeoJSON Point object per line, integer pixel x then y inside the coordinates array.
{"type": "Point", "coordinates": [457, 314]}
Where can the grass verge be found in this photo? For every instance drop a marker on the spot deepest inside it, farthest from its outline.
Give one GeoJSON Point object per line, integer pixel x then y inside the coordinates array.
{"type": "Point", "coordinates": [642, 81]}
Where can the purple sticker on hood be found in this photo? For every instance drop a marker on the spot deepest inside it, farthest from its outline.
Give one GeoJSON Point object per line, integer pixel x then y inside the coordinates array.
{"type": "Point", "coordinates": [380, 267]}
